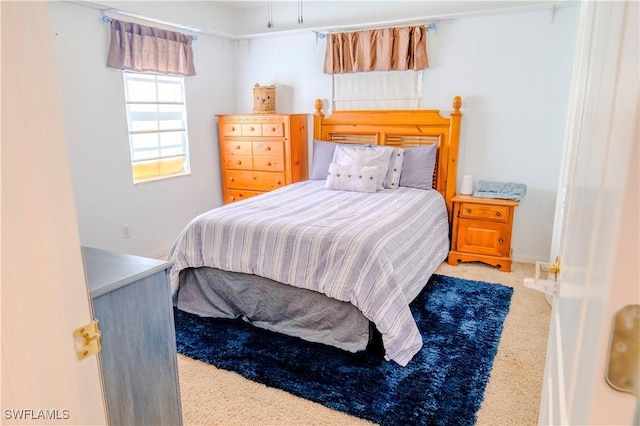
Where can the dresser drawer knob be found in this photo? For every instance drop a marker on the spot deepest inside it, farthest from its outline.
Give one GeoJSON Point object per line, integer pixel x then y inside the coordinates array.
{"type": "Point", "coordinates": [232, 179]}
{"type": "Point", "coordinates": [252, 129]}
{"type": "Point", "coordinates": [279, 182]}
{"type": "Point", "coordinates": [497, 213]}
{"type": "Point", "coordinates": [237, 147]}
{"type": "Point", "coordinates": [501, 240]}
{"type": "Point", "coordinates": [273, 129]}
{"type": "Point", "coordinates": [267, 148]}
{"type": "Point", "coordinates": [238, 162]}
{"type": "Point", "coordinates": [468, 210]}
{"type": "Point", "coordinates": [268, 163]}
{"type": "Point", "coordinates": [233, 129]}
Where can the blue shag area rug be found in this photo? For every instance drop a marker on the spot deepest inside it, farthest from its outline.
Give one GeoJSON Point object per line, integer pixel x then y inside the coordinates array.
{"type": "Point", "coordinates": [460, 321]}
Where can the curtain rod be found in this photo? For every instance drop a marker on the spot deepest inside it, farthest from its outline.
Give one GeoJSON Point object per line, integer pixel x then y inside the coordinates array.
{"type": "Point", "coordinates": [320, 32]}
{"type": "Point", "coordinates": [106, 19]}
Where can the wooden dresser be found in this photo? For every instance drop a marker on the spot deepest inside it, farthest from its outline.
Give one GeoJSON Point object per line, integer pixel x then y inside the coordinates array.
{"type": "Point", "coordinates": [261, 152]}
{"type": "Point", "coordinates": [481, 231]}
{"type": "Point", "coordinates": [131, 298]}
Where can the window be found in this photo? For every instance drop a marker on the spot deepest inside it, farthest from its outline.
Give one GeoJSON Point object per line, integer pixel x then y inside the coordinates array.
{"type": "Point", "coordinates": [157, 119]}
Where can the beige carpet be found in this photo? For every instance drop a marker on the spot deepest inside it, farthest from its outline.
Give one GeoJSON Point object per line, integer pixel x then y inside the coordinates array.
{"type": "Point", "coordinates": [215, 397]}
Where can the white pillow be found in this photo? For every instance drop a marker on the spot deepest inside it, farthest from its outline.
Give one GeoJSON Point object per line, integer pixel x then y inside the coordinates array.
{"type": "Point", "coordinates": [364, 156]}
{"type": "Point", "coordinates": [353, 178]}
{"type": "Point", "coordinates": [392, 180]}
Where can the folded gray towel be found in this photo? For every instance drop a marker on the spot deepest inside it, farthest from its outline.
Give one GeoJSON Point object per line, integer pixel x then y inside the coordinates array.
{"type": "Point", "coordinates": [504, 190]}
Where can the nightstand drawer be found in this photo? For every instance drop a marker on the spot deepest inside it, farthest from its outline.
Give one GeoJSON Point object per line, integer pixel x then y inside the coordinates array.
{"type": "Point", "coordinates": [483, 211]}
{"type": "Point", "coordinates": [483, 238]}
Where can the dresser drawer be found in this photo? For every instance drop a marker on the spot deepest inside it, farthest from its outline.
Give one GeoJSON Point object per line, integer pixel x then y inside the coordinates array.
{"type": "Point", "coordinates": [251, 130]}
{"type": "Point", "coordinates": [238, 162]}
{"type": "Point", "coordinates": [483, 211]}
{"type": "Point", "coordinates": [236, 148]}
{"type": "Point", "coordinates": [254, 180]}
{"type": "Point", "coordinates": [273, 129]}
{"type": "Point", "coordinates": [232, 195]}
{"type": "Point", "coordinates": [268, 163]}
{"type": "Point", "coordinates": [230, 129]}
{"type": "Point", "coordinates": [273, 149]}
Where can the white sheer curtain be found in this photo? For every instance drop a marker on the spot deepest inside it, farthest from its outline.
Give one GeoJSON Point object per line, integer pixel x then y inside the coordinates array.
{"type": "Point", "coordinates": [377, 90]}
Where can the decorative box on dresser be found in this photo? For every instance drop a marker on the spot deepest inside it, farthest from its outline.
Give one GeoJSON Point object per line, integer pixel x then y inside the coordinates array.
{"type": "Point", "coordinates": [131, 298]}
{"type": "Point", "coordinates": [481, 231]}
{"type": "Point", "coordinates": [261, 152]}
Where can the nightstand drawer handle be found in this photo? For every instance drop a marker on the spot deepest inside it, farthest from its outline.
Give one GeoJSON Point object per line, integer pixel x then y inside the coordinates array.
{"type": "Point", "coordinates": [468, 210]}
{"type": "Point", "coordinates": [497, 213]}
{"type": "Point", "coordinates": [501, 240]}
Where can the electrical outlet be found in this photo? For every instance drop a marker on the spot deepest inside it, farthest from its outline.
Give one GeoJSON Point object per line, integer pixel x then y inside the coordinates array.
{"type": "Point", "coordinates": [125, 231]}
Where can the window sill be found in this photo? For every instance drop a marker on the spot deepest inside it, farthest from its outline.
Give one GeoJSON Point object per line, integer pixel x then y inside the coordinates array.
{"type": "Point", "coordinates": [159, 178]}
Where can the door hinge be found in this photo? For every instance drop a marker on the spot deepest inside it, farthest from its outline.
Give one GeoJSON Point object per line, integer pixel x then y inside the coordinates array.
{"type": "Point", "coordinates": [546, 286]}
{"type": "Point", "coordinates": [87, 339]}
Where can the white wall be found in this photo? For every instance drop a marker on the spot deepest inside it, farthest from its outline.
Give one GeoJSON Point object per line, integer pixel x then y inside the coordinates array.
{"type": "Point", "coordinates": [513, 72]}
{"type": "Point", "coordinates": [96, 129]}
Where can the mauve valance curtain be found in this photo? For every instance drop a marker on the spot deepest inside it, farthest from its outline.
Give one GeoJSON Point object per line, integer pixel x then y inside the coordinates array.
{"type": "Point", "coordinates": [387, 49]}
{"type": "Point", "coordinates": [146, 49]}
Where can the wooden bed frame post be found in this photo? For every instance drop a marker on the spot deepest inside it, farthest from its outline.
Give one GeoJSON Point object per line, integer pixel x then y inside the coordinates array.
{"type": "Point", "coordinates": [452, 168]}
{"type": "Point", "coordinates": [318, 115]}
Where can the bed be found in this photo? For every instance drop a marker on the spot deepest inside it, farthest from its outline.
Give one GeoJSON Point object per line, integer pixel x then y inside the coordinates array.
{"type": "Point", "coordinates": [325, 264]}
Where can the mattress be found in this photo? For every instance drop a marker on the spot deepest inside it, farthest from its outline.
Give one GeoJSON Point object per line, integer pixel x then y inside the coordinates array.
{"type": "Point", "coordinates": [375, 251]}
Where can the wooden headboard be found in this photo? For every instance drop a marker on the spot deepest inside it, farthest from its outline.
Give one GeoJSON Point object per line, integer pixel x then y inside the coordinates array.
{"type": "Point", "coordinates": [400, 128]}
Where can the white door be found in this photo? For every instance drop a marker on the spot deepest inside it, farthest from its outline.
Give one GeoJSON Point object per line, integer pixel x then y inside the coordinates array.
{"type": "Point", "coordinates": [598, 241]}
{"type": "Point", "coordinates": [44, 293]}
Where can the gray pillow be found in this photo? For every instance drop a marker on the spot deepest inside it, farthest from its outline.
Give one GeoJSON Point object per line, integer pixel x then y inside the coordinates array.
{"type": "Point", "coordinates": [418, 165]}
{"type": "Point", "coordinates": [322, 157]}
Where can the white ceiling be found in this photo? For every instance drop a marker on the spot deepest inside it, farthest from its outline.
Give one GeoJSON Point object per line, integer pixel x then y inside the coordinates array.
{"type": "Point", "coordinates": [246, 19]}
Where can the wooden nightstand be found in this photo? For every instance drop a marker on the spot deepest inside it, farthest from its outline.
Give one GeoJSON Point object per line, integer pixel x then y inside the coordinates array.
{"type": "Point", "coordinates": [481, 231]}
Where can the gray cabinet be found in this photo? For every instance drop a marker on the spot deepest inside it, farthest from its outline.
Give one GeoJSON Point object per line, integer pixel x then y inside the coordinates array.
{"type": "Point", "coordinates": [131, 299]}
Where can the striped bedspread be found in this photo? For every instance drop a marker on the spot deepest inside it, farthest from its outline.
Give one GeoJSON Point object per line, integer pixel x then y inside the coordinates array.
{"type": "Point", "coordinates": [374, 250]}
